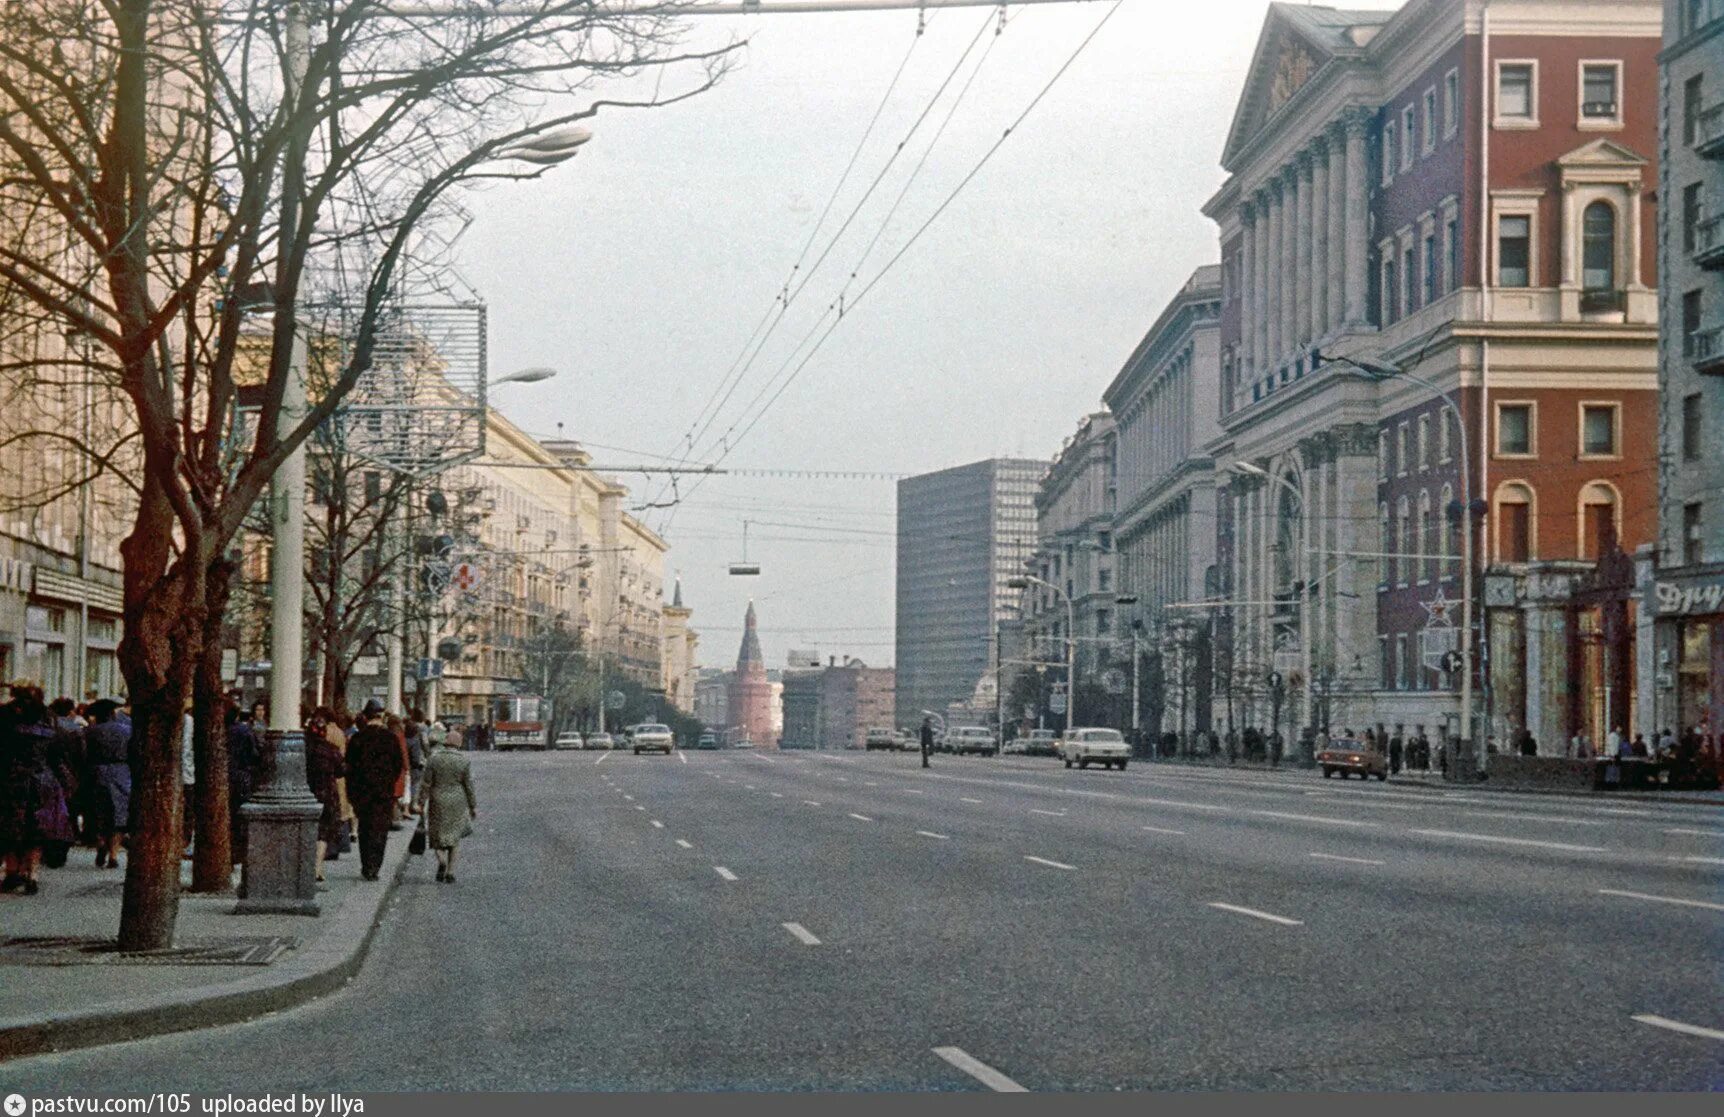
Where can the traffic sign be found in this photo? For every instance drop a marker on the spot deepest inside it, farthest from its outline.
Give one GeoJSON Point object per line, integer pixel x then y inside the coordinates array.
{"type": "Point", "coordinates": [616, 699]}
{"type": "Point", "coordinates": [430, 669]}
{"type": "Point", "coordinates": [465, 577]}
{"type": "Point", "coordinates": [1057, 702]}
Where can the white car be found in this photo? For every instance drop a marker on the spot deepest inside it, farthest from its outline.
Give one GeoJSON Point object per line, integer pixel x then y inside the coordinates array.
{"type": "Point", "coordinates": [1106, 747]}
{"type": "Point", "coordinates": [570, 741]}
{"type": "Point", "coordinates": [964, 739]}
{"type": "Point", "coordinates": [653, 738]}
{"type": "Point", "coordinates": [600, 741]}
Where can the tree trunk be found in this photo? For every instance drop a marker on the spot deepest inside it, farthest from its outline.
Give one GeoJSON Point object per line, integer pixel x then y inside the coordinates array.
{"type": "Point", "coordinates": [212, 859]}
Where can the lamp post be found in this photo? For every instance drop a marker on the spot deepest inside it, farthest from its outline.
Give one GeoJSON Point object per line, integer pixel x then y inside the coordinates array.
{"type": "Point", "coordinates": [1254, 470]}
{"type": "Point", "coordinates": [1129, 600]}
{"type": "Point", "coordinates": [1024, 581]}
{"type": "Point", "coordinates": [1466, 759]}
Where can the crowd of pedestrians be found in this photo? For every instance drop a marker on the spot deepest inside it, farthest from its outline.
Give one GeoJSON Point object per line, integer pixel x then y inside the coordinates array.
{"type": "Point", "coordinates": [68, 773]}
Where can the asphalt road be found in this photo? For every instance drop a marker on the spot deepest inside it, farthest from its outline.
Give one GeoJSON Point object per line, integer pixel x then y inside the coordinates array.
{"type": "Point", "coordinates": [818, 921]}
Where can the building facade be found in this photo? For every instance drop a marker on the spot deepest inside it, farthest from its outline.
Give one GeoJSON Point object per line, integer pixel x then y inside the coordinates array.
{"type": "Point", "coordinates": [1688, 592]}
{"type": "Point", "coordinates": [962, 533]}
{"type": "Point", "coordinates": [1166, 401]}
{"type": "Point", "coordinates": [1460, 192]}
{"type": "Point", "coordinates": [680, 645]}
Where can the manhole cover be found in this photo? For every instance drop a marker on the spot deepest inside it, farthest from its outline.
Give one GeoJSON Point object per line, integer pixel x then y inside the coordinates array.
{"type": "Point", "coordinates": [258, 950]}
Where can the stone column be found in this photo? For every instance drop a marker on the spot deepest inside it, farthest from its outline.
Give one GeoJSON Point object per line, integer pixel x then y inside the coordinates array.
{"type": "Point", "coordinates": [1357, 219]}
{"type": "Point", "coordinates": [1272, 280]}
{"type": "Point", "coordinates": [1289, 264]}
{"type": "Point", "coordinates": [1355, 514]}
{"type": "Point", "coordinates": [1247, 291]}
{"type": "Point", "coordinates": [1304, 172]}
{"type": "Point", "coordinates": [1260, 317]}
{"type": "Point", "coordinates": [1335, 256]}
{"type": "Point", "coordinates": [1317, 280]}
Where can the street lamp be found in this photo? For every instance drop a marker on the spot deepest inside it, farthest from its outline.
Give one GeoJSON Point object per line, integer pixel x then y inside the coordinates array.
{"type": "Point", "coordinates": [1025, 581]}
{"type": "Point", "coordinates": [1465, 759]}
{"type": "Point", "coordinates": [547, 150]}
{"type": "Point", "coordinates": [526, 376]}
{"type": "Point", "coordinates": [1129, 600]}
{"type": "Point", "coordinates": [1254, 470]}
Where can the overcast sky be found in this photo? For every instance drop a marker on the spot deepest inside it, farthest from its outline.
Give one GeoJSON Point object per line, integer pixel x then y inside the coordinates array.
{"type": "Point", "coordinates": [641, 269]}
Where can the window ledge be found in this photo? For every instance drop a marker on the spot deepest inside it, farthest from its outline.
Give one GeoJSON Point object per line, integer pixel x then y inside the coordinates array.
{"type": "Point", "coordinates": [1514, 124]}
{"type": "Point", "coordinates": [1598, 125]}
{"type": "Point", "coordinates": [1599, 457]}
{"type": "Point", "coordinates": [1515, 457]}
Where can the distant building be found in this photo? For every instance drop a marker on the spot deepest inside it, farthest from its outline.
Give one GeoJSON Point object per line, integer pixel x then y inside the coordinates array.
{"type": "Point", "coordinates": [751, 692]}
{"type": "Point", "coordinates": [712, 698]}
{"type": "Point", "coordinates": [680, 644]}
{"type": "Point", "coordinates": [801, 701]}
{"type": "Point", "coordinates": [853, 699]}
{"type": "Point", "coordinates": [962, 532]}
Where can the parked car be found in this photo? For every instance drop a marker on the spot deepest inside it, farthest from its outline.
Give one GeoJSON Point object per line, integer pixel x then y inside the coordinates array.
{"type": "Point", "coordinates": [651, 737]}
{"type": "Point", "coordinates": [570, 741]}
{"type": "Point", "coordinates": [1042, 742]}
{"type": "Point", "coordinates": [708, 740]}
{"type": "Point", "coordinates": [1347, 755]}
{"type": "Point", "coordinates": [1106, 747]}
{"type": "Point", "coordinates": [964, 739]}
{"type": "Point", "coordinates": [887, 739]}
{"type": "Point", "coordinates": [1017, 746]}
{"type": "Point", "coordinates": [600, 741]}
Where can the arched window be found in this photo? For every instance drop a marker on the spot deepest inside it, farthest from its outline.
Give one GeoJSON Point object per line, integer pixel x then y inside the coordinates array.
{"type": "Point", "coordinates": [1514, 523]}
{"type": "Point", "coordinates": [1600, 519]}
{"type": "Point", "coordinates": [1598, 247]}
{"type": "Point", "coordinates": [1427, 538]}
{"type": "Point", "coordinates": [1403, 536]}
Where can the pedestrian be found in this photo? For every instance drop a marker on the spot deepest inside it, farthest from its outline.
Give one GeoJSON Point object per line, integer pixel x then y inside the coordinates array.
{"type": "Point", "coordinates": [418, 750]}
{"type": "Point", "coordinates": [1616, 744]}
{"type": "Point", "coordinates": [374, 763]}
{"type": "Point", "coordinates": [447, 804]}
{"type": "Point", "coordinates": [243, 761]}
{"type": "Point", "coordinates": [1528, 746]}
{"type": "Point", "coordinates": [927, 739]}
{"type": "Point", "coordinates": [106, 744]}
{"type": "Point", "coordinates": [33, 816]}
{"type": "Point", "coordinates": [398, 729]}
{"type": "Point", "coordinates": [324, 769]}
{"type": "Point", "coordinates": [188, 780]}
{"type": "Point", "coordinates": [1639, 747]}
{"type": "Point", "coordinates": [347, 830]}
{"type": "Point", "coordinates": [66, 758]}
{"type": "Point", "coordinates": [1396, 749]}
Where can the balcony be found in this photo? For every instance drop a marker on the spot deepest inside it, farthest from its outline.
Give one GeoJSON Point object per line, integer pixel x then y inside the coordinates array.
{"type": "Point", "coordinates": [1706, 350]}
{"type": "Point", "coordinates": [1603, 300]}
{"type": "Point", "coordinates": [1709, 243]}
{"type": "Point", "coordinates": [1709, 132]}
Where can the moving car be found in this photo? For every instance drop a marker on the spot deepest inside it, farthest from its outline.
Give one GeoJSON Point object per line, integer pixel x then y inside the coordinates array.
{"type": "Point", "coordinates": [708, 740]}
{"type": "Point", "coordinates": [1347, 755]}
{"type": "Point", "coordinates": [887, 739]}
{"type": "Point", "coordinates": [1106, 747]}
{"type": "Point", "coordinates": [964, 739]}
{"type": "Point", "coordinates": [600, 741]}
{"type": "Point", "coordinates": [570, 741]}
{"type": "Point", "coordinates": [651, 737]}
{"type": "Point", "coordinates": [1042, 742]}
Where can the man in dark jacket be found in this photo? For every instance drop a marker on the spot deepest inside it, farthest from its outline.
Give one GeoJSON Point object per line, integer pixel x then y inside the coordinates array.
{"type": "Point", "coordinates": [374, 763]}
{"type": "Point", "coordinates": [927, 739]}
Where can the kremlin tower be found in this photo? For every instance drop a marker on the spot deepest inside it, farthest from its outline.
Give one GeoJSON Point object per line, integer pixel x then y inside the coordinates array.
{"type": "Point", "coordinates": [750, 690]}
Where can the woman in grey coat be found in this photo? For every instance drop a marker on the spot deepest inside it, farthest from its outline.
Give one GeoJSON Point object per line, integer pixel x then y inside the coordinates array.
{"type": "Point", "coordinates": [446, 794]}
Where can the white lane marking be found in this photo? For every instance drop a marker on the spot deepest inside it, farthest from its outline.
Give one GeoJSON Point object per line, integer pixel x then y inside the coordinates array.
{"type": "Point", "coordinates": [1704, 860]}
{"type": "Point", "coordinates": [931, 834]}
{"type": "Point", "coordinates": [979, 1070]}
{"type": "Point", "coordinates": [657, 825]}
{"type": "Point", "coordinates": [810, 803]}
{"type": "Point", "coordinates": [869, 783]}
{"type": "Point", "coordinates": [629, 797]}
{"type": "Point", "coordinates": [749, 787]}
{"type": "Point", "coordinates": [1050, 864]}
{"type": "Point", "coordinates": [1624, 811]}
{"type": "Point", "coordinates": [638, 807]}
{"type": "Point", "coordinates": [1255, 914]}
{"type": "Point", "coordinates": [802, 934]}
{"type": "Point", "coordinates": [603, 756]}
{"type": "Point", "coordinates": [1163, 830]}
{"type": "Point", "coordinates": [684, 844]}
{"type": "Point", "coordinates": [1564, 846]}
{"type": "Point", "coordinates": [1178, 803]}
{"type": "Point", "coordinates": [776, 794]}
{"type": "Point", "coordinates": [1661, 899]}
{"type": "Point", "coordinates": [962, 799]}
{"type": "Point", "coordinates": [1517, 817]}
{"type": "Point", "coordinates": [724, 872]}
{"type": "Point", "coordinates": [680, 755]}
{"type": "Point", "coordinates": [1313, 818]}
{"type": "Point", "coordinates": [913, 791]}
{"type": "Point", "coordinates": [1038, 810]}
{"type": "Point", "coordinates": [1349, 860]}
{"type": "Point", "coordinates": [1696, 833]}
{"type": "Point", "coordinates": [842, 779]}
{"type": "Point", "coordinates": [860, 817]}
{"type": "Point", "coordinates": [1677, 1026]}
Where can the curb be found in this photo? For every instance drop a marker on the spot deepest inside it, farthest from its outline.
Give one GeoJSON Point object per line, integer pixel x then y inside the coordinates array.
{"type": "Point", "coordinates": [317, 970]}
{"type": "Point", "coordinates": [1710, 800]}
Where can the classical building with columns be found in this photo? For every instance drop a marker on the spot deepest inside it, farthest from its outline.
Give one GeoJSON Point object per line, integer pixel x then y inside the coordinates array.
{"type": "Point", "coordinates": [1459, 190]}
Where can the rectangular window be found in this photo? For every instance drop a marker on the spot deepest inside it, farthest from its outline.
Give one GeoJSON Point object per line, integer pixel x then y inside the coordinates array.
{"type": "Point", "coordinates": [1514, 429]}
{"type": "Point", "coordinates": [1428, 122]}
{"type": "Point", "coordinates": [1409, 130]}
{"type": "Point", "coordinates": [1388, 154]}
{"type": "Point", "coordinates": [1401, 457]}
{"type": "Point", "coordinates": [1691, 109]}
{"type": "Point", "coordinates": [1430, 287]}
{"type": "Point", "coordinates": [1691, 431]}
{"type": "Point", "coordinates": [1410, 279]}
{"type": "Point", "coordinates": [1598, 430]}
{"type": "Point", "coordinates": [1451, 102]}
{"type": "Point", "coordinates": [1424, 443]}
{"type": "Point", "coordinates": [1444, 453]}
{"type": "Point", "coordinates": [1514, 250]}
{"type": "Point", "coordinates": [1693, 15]}
{"type": "Point", "coordinates": [1514, 523]}
{"type": "Point", "coordinates": [1515, 94]}
{"type": "Point", "coordinates": [1386, 660]}
{"type": "Point", "coordinates": [1599, 93]}
{"type": "Point", "coordinates": [1405, 662]}
{"type": "Point", "coordinates": [1690, 320]}
{"type": "Point", "coordinates": [1693, 543]}
{"type": "Point", "coordinates": [1452, 243]}
{"type": "Point", "coordinates": [1690, 215]}
{"type": "Point", "coordinates": [1383, 456]}
{"type": "Point", "coordinates": [1391, 292]}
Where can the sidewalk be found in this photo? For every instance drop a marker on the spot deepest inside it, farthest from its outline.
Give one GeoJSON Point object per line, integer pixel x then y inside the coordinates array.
{"type": "Point", "coordinates": [226, 967]}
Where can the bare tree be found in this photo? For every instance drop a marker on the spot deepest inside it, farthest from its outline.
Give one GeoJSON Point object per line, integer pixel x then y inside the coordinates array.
{"type": "Point", "coordinates": [196, 153]}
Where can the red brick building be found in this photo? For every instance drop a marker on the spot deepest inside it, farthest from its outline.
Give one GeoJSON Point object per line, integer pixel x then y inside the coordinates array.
{"type": "Point", "coordinates": [750, 710]}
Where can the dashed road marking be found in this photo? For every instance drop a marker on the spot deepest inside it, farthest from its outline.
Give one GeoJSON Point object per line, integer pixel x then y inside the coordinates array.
{"type": "Point", "coordinates": [680, 755]}
{"type": "Point", "coordinates": [684, 844]}
{"type": "Point", "coordinates": [1255, 914]}
{"type": "Point", "coordinates": [1056, 814]}
{"type": "Point", "coordinates": [1517, 817]}
{"type": "Point", "coordinates": [749, 787]}
{"type": "Point", "coordinates": [629, 797]}
{"type": "Point", "coordinates": [860, 817]}
{"type": "Point", "coordinates": [802, 934]}
{"type": "Point", "coordinates": [1495, 840]}
{"type": "Point", "coordinates": [1704, 860]}
{"type": "Point", "coordinates": [603, 756]}
{"type": "Point", "coordinates": [869, 783]}
{"type": "Point", "coordinates": [1678, 1026]}
{"type": "Point", "coordinates": [724, 872]}
{"type": "Point", "coordinates": [638, 807]}
{"type": "Point", "coordinates": [962, 799]}
{"type": "Point", "coordinates": [1661, 899]}
{"type": "Point", "coordinates": [979, 1070]}
{"type": "Point", "coordinates": [776, 794]}
{"type": "Point", "coordinates": [931, 834]}
{"type": "Point", "coordinates": [1695, 833]}
{"type": "Point", "coordinates": [1050, 864]}
{"type": "Point", "coordinates": [809, 803]}
{"type": "Point", "coordinates": [1313, 818]}
{"type": "Point", "coordinates": [1163, 830]}
{"type": "Point", "coordinates": [657, 825]}
{"type": "Point", "coordinates": [1349, 860]}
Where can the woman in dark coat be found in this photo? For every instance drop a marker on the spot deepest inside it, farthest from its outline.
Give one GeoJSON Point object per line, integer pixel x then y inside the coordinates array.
{"type": "Point", "coordinates": [106, 744]}
{"type": "Point", "coordinates": [33, 813]}
{"type": "Point", "coordinates": [242, 763]}
{"type": "Point", "coordinates": [324, 768]}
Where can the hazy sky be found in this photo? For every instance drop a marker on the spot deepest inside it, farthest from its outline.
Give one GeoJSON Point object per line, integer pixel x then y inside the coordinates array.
{"type": "Point", "coordinates": [641, 268]}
